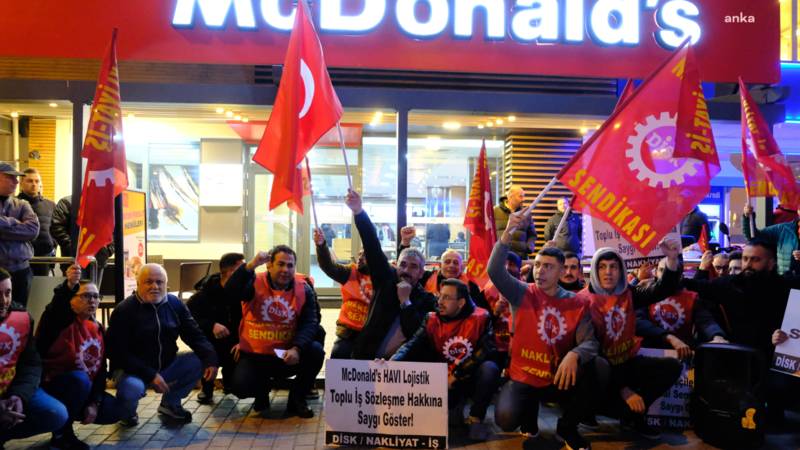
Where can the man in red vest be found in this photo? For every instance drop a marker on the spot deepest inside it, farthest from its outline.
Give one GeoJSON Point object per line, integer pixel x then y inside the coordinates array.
{"type": "Point", "coordinates": [72, 345]}
{"type": "Point", "coordinates": [25, 408]}
{"type": "Point", "coordinates": [552, 349]}
{"type": "Point", "coordinates": [502, 320]}
{"type": "Point", "coordinates": [277, 331]}
{"type": "Point", "coordinates": [356, 288]}
{"type": "Point", "coordinates": [634, 382]}
{"type": "Point", "coordinates": [459, 334]}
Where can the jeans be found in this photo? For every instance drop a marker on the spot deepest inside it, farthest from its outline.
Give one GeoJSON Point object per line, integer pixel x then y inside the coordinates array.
{"type": "Point", "coordinates": [255, 372]}
{"type": "Point", "coordinates": [480, 387]}
{"type": "Point", "coordinates": [648, 377]}
{"type": "Point", "coordinates": [222, 347]}
{"type": "Point", "coordinates": [181, 376]}
{"type": "Point", "coordinates": [21, 281]}
{"type": "Point", "coordinates": [343, 348]}
{"type": "Point", "coordinates": [518, 403]}
{"type": "Point", "coordinates": [43, 414]}
{"type": "Point", "coordinates": [73, 390]}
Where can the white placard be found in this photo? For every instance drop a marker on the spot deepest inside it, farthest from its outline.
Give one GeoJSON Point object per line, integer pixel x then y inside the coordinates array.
{"type": "Point", "coordinates": [671, 410]}
{"type": "Point", "coordinates": [787, 355]}
{"type": "Point", "coordinates": [221, 184]}
{"type": "Point", "coordinates": [385, 404]}
{"type": "Point", "coordinates": [598, 234]}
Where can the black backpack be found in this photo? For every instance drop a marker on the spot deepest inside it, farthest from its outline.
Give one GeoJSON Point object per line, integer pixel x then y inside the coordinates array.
{"type": "Point", "coordinates": [726, 408]}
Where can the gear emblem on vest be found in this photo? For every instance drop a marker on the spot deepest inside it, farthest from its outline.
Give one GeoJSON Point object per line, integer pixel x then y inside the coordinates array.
{"type": "Point", "coordinates": [89, 356]}
{"type": "Point", "coordinates": [655, 138]}
{"type": "Point", "coordinates": [9, 342]}
{"type": "Point", "coordinates": [615, 322]}
{"type": "Point", "coordinates": [365, 287]}
{"type": "Point", "coordinates": [277, 310]}
{"type": "Point", "coordinates": [552, 325]}
{"type": "Point", "coordinates": [457, 349]}
{"type": "Point", "coordinates": [669, 314]}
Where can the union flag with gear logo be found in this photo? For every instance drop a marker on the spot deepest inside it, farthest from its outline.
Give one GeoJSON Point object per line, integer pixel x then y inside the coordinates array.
{"type": "Point", "coordinates": [653, 160]}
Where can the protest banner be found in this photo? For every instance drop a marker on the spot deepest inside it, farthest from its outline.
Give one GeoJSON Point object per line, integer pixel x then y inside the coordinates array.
{"type": "Point", "coordinates": [786, 358]}
{"type": "Point", "coordinates": [671, 410]}
{"type": "Point", "coordinates": [598, 234]}
{"type": "Point", "coordinates": [385, 404]}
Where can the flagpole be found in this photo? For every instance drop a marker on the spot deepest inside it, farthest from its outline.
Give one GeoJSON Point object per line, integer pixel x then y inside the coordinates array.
{"type": "Point", "coordinates": [563, 221]}
{"type": "Point", "coordinates": [539, 198]}
{"type": "Point", "coordinates": [311, 191]}
{"type": "Point", "coordinates": [344, 153]}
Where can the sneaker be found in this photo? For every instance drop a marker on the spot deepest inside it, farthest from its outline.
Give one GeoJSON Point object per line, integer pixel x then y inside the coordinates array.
{"type": "Point", "coordinates": [299, 409]}
{"type": "Point", "coordinates": [131, 421]}
{"type": "Point", "coordinates": [590, 423]}
{"type": "Point", "coordinates": [261, 405]}
{"type": "Point", "coordinates": [571, 438]}
{"type": "Point", "coordinates": [68, 441]}
{"type": "Point", "coordinates": [639, 426]}
{"type": "Point", "coordinates": [478, 431]}
{"type": "Point", "coordinates": [205, 398]}
{"type": "Point", "coordinates": [175, 412]}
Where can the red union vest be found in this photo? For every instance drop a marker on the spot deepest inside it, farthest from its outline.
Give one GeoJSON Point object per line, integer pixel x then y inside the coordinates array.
{"type": "Point", "coordinates": [14, 334]}
{"type": "Point", "coordinates": [502, 324]}
{"type": "Point", "coordinates": [545, 332]}
{"type": "Point", "coordinates": [457, 340]}
{"type": "Point", "coordinates": [674, 314]}
{"type": "Point", "coordinates": [432, 285]}
{"type": "Point", "coordinates": [269, 320]}
{"type": "Point", "coordinates": [615, 324]}
{"type": "Point", "coordinates": [80, 346]}
{"type": "Point", "coordinates": [356, 294]}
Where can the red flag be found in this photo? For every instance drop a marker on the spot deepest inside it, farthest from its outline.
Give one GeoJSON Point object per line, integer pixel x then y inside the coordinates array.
{"type": "Point", "coordinates": [306, 107]}
{"type": "Point", "coordinates": [301, 177]}
{"type": "Point", "coordinates": [627, 91]}
{"type": "Point", "coordinates": [702, 241]}
{"type": "Point", "coordinates": [479, 220]}
{"type": "Point", "coordinates": [106, 168]}
{"type": "Point", "coordinates": [628, 173]}
{"type": "Point", "coordinates": [766, 172]}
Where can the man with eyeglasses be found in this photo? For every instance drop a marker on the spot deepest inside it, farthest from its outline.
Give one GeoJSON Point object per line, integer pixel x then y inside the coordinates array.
{"type": "Point", "coordinates": [459, 334]}
{"type": "Point", "coordinates": [72, 345]}
{"type": "Point", "coordinates": [142, 342]}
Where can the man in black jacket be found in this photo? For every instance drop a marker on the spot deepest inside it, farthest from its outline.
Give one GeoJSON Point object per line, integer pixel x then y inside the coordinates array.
{"type": "Point", "coordinates": [570, 237]}
{"type": "Point", "coordinates": [218, 316]}
{"type": "Point", "coordinates": [399, 303]}
{"type": "Point", "coordinates": [30, 188]}
{"type": "Point", "coordinates": [142, 346]}
{"type": "Point", "coordinates": [277, 333]}
{"type": "Point", "coordinates": [64, 229]}
{"type": "Point", "coordinates": [25, 408]}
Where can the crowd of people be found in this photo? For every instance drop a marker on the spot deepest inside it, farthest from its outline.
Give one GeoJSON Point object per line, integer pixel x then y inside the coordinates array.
{"type": "Point", "coordinates": [538, 331]}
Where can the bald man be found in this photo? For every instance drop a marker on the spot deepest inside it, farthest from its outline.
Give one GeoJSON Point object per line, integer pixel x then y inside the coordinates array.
{"type": "Point", "coordinates": [523, 239]}
{"type": "Point", "coordinates": [142, 347]}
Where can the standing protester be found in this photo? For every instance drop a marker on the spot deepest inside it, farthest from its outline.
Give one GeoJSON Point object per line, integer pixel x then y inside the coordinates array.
{"type": "Point", "coordinates": [399, 303]}
{"type": "Point", "coordinates": [523, 240]}
{"type": "Point", "coordinates": [634, 382]}
{"type": "Point", "coordinates": [62, 231]}
{"type": "Point", "coordinates": [356, 289]}
{"type": "Point", "coordinates": [19, 226]}
{"type": "Point", "coordinates": [552, 349]}
{"type": "Point", "coordinates": [754, 302]}
{"type": "Point", "coordinates": [692, 224]}
{"type": "Point", "coordinates": [572, 280]}
{"type": "Point", "coordinates": [459, 334]}
{"type": "Point", "coordinates": [72, 345]}
{"type": "Point", "coordinates": [277, 332]}
{"type": "Point", "coordinates": [218, 317]}
{"type": "Point", "coordinates": [25, 408]}
{"type": "Point", "coordinates": [783, 236]}
{"type": "Point", "coordinates": [44, 245]}
{"type": "Point", "coordinates": [451, 266]}
{"type": "Point", "coordinates": [142, 342]}
{"type": "Point", "coordinates": [570, 237]}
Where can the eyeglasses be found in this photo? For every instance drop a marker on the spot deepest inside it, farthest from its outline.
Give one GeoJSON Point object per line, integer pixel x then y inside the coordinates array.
{"type": "Point", "coordinates": [89, 296]}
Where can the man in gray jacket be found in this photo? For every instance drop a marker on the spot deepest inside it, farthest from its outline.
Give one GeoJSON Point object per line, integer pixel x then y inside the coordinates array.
{"type": "Point", "coordinates": [18, 227]}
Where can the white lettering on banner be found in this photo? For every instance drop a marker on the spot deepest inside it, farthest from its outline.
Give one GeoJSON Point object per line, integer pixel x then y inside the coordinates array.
{"type": "Point", "coordinates": [671, 410]}
{"type": "Point", "coordinates": [398, 404]}
{"type": "Point", "coordinates": [610, 22]}
{"type": "Point", "coordinates": [786, 358]}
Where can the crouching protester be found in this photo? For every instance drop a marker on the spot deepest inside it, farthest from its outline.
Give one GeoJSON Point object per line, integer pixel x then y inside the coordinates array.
{"type": "Point", "coordinates": [502, 322]}
{"type": "Point", "coordinates": [459, 334]}
{"type": "Point", "coordinates": [25, 409]}
{"type": "Point", "coordinates": [142, 343]}
{"type": "Point", "coordinates": [553, 346]}
{"type": "Point", "coordinates": [633, 382]}
{"type": "Point", "coordinates": [276, 335]}
{"type": "Point", "coordinates": [72, 346]}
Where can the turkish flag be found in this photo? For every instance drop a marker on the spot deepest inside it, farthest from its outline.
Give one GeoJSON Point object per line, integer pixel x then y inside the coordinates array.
{"type": "Point", "coordinates": [629, 173]}
{"type": "Point", "coordinates": [306, 107]}
{"type": "Point", "coordinates": [766, 172]}
{"type": "Point", "coordinates": [479, 220]}
{"type": "Point", "coordinates": [106, 168]}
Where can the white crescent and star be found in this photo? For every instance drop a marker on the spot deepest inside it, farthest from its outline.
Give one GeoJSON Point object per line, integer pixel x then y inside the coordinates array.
{"type": "Point", "coordinates": [309, 86]}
